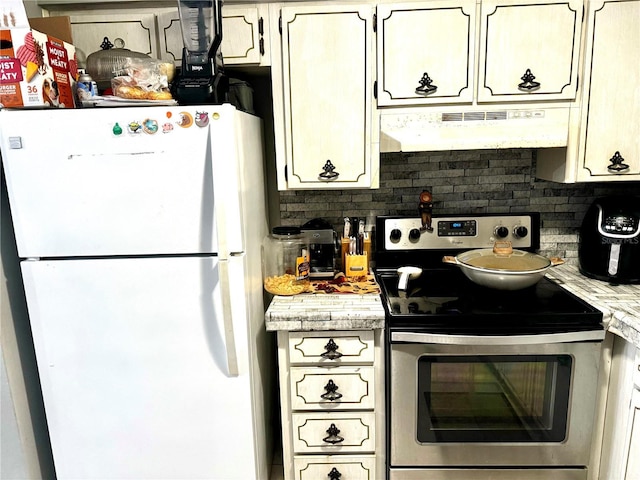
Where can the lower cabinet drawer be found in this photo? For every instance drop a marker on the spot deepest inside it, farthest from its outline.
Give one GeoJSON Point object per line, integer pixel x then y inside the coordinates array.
{"type": "Point", "coordinates": [343, 467]}
{"type": "Point", "coordinates": [338, 388]}
{"type": "Point", "coordinates": [331, 348]}
{"type": "Point", "coordinates": [333, 432]}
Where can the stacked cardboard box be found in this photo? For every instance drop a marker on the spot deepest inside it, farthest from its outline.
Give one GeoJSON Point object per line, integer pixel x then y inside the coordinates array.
{"type": "Point", "coordinates": [36, 69]}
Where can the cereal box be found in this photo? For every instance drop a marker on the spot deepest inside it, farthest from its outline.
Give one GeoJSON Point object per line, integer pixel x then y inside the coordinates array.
{"type": "Point", "coordinates": [36, 70]}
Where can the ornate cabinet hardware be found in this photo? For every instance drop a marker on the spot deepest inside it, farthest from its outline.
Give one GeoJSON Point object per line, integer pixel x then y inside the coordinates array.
{"type": "Point", "coordinates": [331, 350]}
{"type": "Point", "coordinates": [328, 172]}
{"type": "Point", "coordinates": [333, 436]}
{"type": "Point", "coordinates": [617, 163]}
{"type": "Point", "coordinates": [426, 86]}
{"type": "Point", "coordinates": [331, 392]}
{"type": "Point", "coordinates": [334, 474]}
{"type": "Point", "coordinates": [528, 82]}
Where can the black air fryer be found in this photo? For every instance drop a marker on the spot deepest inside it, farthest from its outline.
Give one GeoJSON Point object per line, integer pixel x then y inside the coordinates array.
{"type": "Point", "coordinates": [609, 247]}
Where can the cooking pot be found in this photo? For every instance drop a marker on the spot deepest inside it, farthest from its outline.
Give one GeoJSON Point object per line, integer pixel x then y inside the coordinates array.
{"type": "Point", "coordinates": [502, 267]}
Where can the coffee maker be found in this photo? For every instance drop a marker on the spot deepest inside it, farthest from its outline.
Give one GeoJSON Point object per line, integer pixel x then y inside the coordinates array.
{"type": "Point", "coordinates": [323, 247]}
{"type": "Point", "coordinates": [201, 79]}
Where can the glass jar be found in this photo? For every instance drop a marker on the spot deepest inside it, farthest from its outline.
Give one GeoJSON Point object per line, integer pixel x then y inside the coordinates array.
{"type": "Point", "coordinates": [285, 261]}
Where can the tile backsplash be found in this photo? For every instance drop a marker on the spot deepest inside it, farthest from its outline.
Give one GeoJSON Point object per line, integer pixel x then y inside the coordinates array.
{"type": "Point", "coordinates": [461, 182]}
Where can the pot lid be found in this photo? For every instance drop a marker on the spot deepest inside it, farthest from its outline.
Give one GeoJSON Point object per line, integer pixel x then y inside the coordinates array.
{"type": "Point", "coordinates": [107, 62]}
{"type": "Point", "coordinates": [502, 257]}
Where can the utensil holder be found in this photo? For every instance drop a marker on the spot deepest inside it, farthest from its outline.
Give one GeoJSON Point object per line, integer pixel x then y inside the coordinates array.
{"type": "Point", "coordinates": [344, 244]}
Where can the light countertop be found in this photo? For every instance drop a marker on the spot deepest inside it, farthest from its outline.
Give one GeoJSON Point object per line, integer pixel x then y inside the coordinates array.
{"type": "Point", "coordinates": [325, 312]}
{"type": "Point", "coordinates": [620, 305]}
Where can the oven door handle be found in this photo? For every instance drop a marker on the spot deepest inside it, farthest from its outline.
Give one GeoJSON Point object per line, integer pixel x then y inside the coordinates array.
{"type": "Point", "coordinates": [446, 339]}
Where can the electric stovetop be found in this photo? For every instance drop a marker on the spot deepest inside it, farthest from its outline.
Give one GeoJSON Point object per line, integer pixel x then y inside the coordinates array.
{"type": "Point", "coordinates": [445, 301]}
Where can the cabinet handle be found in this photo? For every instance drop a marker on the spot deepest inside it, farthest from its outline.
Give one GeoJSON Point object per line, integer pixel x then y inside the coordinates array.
{"type": "Point", "coordinates": [334, 474]}
{"type": "Point", "coordinates": [528, 84]}
{"type": "Point", "coordinates": [333, 436]}
{"type": "Point", "coordinates": [331, 392]}
{"type": "Point", "coordinates": [617, 163]}
{"type": "Point", "coordinates": [331, 352]}
{"type": "Point", "coordinates": [426, 86]}
{"type": "Point", "coordinates": [328, 172]}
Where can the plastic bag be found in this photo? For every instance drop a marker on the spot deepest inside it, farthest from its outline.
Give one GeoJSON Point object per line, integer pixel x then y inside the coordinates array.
{"type": "Point", "coordinates": [142, 79]}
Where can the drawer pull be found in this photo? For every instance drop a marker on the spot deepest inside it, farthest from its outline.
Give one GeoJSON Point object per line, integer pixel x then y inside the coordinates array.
{"type": "Point", "coordinates": [528, 82]}
{"type": "Point", "coordinates": [331, 392]}
{"type": "Point", "coordinates": [331, 350]}
{"type": "Point", "coordinates": [426, 85]}
{"type": "Point", "coordinates": [333, 436]}
{"type": "Point", "coordinates": [334, 474]}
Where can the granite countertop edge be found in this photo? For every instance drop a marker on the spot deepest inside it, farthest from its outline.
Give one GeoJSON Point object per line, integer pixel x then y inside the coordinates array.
{"type": "Point", "coordinates": [620, 305]}
{"type": "Point", "coordinates": [329, 311]}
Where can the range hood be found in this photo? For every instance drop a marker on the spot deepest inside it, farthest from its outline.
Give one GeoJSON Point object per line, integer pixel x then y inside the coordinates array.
{"type": "Point", "coordinates": [434, 129]}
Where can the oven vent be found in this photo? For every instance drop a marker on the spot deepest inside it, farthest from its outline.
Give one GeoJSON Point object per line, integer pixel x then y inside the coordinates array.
{"type": "Point", "coordinates": [452, 117]}
{"type": "Point", "coordinates": [473, 116]}
{"type": "Point", "coordinates": [468, 128]}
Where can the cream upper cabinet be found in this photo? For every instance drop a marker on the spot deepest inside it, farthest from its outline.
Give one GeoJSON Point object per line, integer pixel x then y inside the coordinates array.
{"type": "Point", "coordinates": [243, 35]}
{"type": "Point", "coordinates": [325, 89]}
{"type": "Point", "coordinates": [529, 50]}
{"type": "Point", "coordinates": [426, 52]}
{"type": "Point", "coordinates": [157, 32]}
{"type": "Point", "coordinates": [609, 140]}
{"type": "Point", "coordinates": [139, 33]}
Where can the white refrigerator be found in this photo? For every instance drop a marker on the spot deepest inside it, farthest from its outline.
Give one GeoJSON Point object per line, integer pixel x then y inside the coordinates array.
{"type": "Point", "coordinates": [139, 233]}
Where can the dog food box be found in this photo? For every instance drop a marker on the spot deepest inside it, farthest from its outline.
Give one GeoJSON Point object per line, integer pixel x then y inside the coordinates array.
{"type": "Point", "coordinates": [36, 70]}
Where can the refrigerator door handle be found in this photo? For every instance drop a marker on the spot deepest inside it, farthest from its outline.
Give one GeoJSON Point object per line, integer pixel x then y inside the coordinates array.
{"type": "Point", "coordinates": [229, 336]}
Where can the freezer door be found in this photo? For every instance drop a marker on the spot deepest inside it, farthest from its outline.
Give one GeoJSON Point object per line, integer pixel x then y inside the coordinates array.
{"type": "Point", "coordinates": [132, 359]}
{"type": "Point", "coordinates": [82, 183]}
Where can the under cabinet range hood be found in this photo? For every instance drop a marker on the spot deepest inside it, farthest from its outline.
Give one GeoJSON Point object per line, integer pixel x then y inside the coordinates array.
{"type": "Point", "coordinates": [469, 128]}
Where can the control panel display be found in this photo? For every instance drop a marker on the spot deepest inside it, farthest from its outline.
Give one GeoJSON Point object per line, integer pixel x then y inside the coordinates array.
{"type": "Point", "coordinates": [621, 225]}
{"type": "Point", "coordinates": [457, 228]}
{"type": "Point", "coordinates": [458, 232]}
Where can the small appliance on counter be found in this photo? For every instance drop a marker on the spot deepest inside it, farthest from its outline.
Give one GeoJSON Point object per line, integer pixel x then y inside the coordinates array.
{"type": "Point", "coordinates": [201, 80]}
{"type": "Point", "coordinates": [322, 246]}
{"type": "Point", "coordinates": [609, 246]}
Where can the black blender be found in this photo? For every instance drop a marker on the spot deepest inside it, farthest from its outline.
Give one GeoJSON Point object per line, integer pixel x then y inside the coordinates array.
{"type": "Point", "coordinates": [201, 80]}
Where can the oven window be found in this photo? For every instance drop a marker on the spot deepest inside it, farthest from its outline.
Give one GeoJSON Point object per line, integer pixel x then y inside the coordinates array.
{"type": "Point", "coordinates": [514, 398]}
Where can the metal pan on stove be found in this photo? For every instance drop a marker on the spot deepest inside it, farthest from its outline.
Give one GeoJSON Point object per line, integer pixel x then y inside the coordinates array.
{"type": "Point", "coordinates": [502, 267]}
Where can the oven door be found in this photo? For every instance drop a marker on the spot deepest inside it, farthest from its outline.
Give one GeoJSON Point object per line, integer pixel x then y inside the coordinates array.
{"type": "Point", "coordinates": [492, 401]}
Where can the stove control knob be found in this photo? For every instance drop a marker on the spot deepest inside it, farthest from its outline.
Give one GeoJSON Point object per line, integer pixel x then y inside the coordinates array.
{"type": "Point", "coordinates": [395, 235]}
{"type": "Point", "coordinates": [501, 232]}
{"type": "Point", "coordinates": [414, 235]}
{"type": "Point", "coordinates": [520, 231]}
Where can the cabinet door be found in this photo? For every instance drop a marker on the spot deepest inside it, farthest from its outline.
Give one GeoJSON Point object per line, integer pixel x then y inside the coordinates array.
{"type": "Point", "coordinates": [529, 50]}
{"type": "Point", "coordinates": [242, 36]}
{"type": "Point", "coordinates": [633, 462]}
{"type": "Point", "coordinates": [426, 52]}
{"type": "Point", "coordinates": [138, 32]}
{"type": "Point", "coordinates": [327, 86]}
{"type": "Point", "coordinates": [610, 144]}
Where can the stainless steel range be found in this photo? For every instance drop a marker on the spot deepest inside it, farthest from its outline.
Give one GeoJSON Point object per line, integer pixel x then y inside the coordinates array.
{"type": "Point", "coordinates": [482, 383]}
